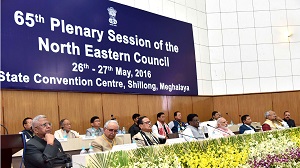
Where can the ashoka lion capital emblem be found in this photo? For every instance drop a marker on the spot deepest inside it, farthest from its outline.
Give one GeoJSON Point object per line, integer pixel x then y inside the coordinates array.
{"type": "Point", "coordinates": [112, 16]}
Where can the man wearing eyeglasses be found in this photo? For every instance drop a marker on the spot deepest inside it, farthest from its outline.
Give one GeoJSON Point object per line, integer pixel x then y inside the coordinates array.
{"type": "Point", "coordinates": [145, 136]}
{"type": "Point", "coordinates": [108, 139]}
{"type": "Point", "coordinates": [192, 131]}
{"type": "Point", "coordinates": [43, 150]}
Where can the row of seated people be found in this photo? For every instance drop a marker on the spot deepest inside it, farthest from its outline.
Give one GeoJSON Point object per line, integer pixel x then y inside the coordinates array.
{"type": "Point", "coordinates": [44, 150]}
{"type": "Point", "coordinates": [160, 128]}
{"type": "Point", "coordinates": [217, 125]}
{"type": "Point", "coordinates": [65, 130]}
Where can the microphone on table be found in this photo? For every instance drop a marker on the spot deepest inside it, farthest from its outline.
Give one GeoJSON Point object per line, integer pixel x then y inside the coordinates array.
{"type": "Point", "coordinates": [218, 129]}
{"type": "Point", "coordinates": [4, 128]}
{"type": "Point", "coordinates": [230, 118]}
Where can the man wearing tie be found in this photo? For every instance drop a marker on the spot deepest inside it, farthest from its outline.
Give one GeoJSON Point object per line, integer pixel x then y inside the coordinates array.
{"type": "Point", "coordinates": [246, 125]}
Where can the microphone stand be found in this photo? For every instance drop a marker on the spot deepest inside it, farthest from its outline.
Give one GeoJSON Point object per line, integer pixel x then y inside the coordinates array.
{"type": "Point", "coordinates": [230, 119]}
{"type": "Point", "coordinates": [5, 129]}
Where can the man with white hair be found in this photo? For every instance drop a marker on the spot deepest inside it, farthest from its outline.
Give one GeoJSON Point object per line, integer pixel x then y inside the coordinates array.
{"type": "Point", "coordinates": [222, 129]}
{"type": "Point", "coordinates": [108, 139]}
{"type": "Point", "coordinates": [43, 150]}
{"type": "Point", "coordinates": [269, 124]}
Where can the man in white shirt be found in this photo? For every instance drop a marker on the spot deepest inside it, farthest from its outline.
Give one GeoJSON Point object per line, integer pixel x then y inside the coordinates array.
{"type": "Point", "coordinates": [160, 128]}
{"type": "Point", "coordinates": [222, 129]}
{"type": "Point", "coordinates": [65, 131]}
{"type": "Point", "coordinates": [192, 131]}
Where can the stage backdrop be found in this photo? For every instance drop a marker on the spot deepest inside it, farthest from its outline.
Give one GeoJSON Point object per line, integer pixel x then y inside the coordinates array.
{"type": "Point", "coordinates": [94, 46]}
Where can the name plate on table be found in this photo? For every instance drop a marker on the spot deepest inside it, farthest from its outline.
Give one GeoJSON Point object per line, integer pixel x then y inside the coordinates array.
{"type": "Point", "coordinates": [88, 137]}
{"type": "Point", "coordinates": [62, 139]}
{"type": "Point", "coordinates": [175, 140]}
{"type": "Point", "coordinates": [124, 147]}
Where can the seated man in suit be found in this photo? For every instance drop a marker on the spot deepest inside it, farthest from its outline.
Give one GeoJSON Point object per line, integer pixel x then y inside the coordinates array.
{"type": "Point", "coordinates": [288, 120]}
{"type": "Point", "coordinates": [145, 136]}
{"type": "Point", "coordinates": [27, 124]}
{"type": "Point", "coordinates": [192, 131]}
{"type": "Point", "coordinates": [65, 131]}
{"type": "Point", "coordinates": [108, 139]}
{"type": "Point", "coordinates": [246, 125]}
{"type": "Point", "coordinates": [43, 150]}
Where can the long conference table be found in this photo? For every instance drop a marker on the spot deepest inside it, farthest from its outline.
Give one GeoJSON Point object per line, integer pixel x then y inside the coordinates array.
{"type": "Point", "coordinates": [71, 146]}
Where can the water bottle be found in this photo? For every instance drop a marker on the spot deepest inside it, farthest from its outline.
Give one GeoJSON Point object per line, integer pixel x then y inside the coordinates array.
{"type": "Point", "coordinates": [123, 130]}
{"type": "Point", "coordinates": [91, 150]}
{"type": "Point", "coordinates": [178, 128]}
{"type": "Point", "coordinates": [93, 132]}
{"type": "Point", "coordinates": [83, 151]}
{"type": "Point", "coordinates": [133, 141]}
{"type": "Point", "coordinates": [65, 135]}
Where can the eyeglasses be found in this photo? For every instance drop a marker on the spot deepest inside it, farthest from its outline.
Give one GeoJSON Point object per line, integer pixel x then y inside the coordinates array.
{"type": "Point", "coordinates": [148, 122]}
{"type": "Point", "coordinates": [196, 121]}
{"type": "Point", "coordinates": [46, 124]}
{"type": "Point", "coordinates": [113, 130]}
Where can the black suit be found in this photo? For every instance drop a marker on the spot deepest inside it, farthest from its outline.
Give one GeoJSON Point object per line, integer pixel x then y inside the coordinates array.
{"type": "Point", "coordinates": [134, 129]}
{"type": "Point", "coordinates": [244, 127]}
{"type": "Point", "coordinates": [290, 122]}
{"type": "Point", "coordinates": [38, 154]}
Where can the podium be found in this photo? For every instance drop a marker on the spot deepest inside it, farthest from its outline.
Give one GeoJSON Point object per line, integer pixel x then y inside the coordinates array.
{"type": "Point", "coordinates": [10, 144]}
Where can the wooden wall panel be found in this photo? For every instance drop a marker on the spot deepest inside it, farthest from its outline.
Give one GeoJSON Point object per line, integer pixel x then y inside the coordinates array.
{"type": "Point", "coordinates": [203, 106]}
{"type": "Point", "coordinates": [150, 105]}
{"type": "Point", "coordinates": [227, 104]}
{"type": "Point", "coordinates": [79, 108]}
{"type": "Point", "coordinates": [20, 104]}
{"type": "Point", "coordinates": [121, 106]}
{"type": "Point", "coordinates": [255, 105]}
{"type": "Point", "coordinates": [287, 101]}
{"type": "Point", "coordinates": [183, 104]}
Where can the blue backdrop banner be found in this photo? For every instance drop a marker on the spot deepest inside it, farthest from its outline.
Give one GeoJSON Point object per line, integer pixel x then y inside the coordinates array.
{"type": "Point", "coordinates": [94, 46]}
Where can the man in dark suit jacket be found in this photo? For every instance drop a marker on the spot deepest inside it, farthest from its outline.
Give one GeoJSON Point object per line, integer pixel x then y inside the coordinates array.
{"type": "Point", "coordinates": [43, 150]}
{"type": "Point", "coordinates": [215, 115]}
{"type": "Point", "coordinates": [246, 124]}
{"type": "Point", "coordinates": [288, 120]}
{"type": "Point", "coordinates": [27, 124]}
